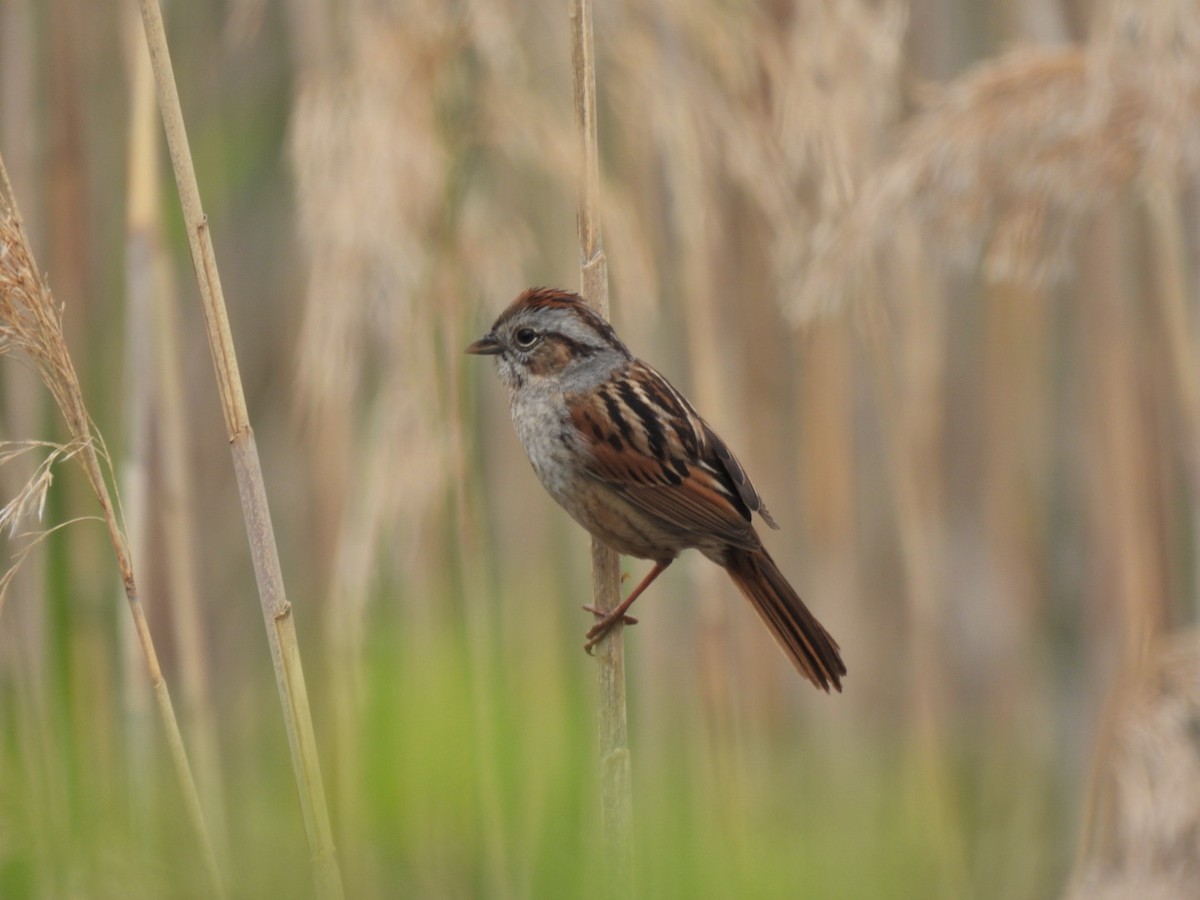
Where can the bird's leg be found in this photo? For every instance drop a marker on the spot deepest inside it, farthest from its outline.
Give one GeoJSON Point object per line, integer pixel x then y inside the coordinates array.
{"type": "Point", "coordinates": [617, 614]}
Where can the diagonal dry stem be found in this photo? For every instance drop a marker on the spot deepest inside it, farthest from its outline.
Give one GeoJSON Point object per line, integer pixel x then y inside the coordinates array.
{"type": "Point", "coordinates": [31, 322]}
{"type": "Point", "coordinates": [277, 611]}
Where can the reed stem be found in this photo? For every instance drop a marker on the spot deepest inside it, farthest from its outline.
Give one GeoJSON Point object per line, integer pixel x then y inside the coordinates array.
{"type": "Point", "coordinates": [277, 611]}
{"type": "Point", "coordinates": [616, 794]}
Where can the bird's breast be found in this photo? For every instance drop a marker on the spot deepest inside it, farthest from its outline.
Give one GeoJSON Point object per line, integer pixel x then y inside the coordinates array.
{"type": "Point", "coordinates": [544, 427]}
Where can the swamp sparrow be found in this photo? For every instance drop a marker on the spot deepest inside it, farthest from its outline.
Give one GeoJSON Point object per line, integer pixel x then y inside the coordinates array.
{"type": "Point", "coordinates": [626, 455]}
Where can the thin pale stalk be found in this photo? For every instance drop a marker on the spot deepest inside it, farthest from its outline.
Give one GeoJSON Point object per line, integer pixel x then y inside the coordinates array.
{"type": "Point", "coordinates": [616, 791]}
{"type": "Point", "coordinates": [908, 374]}
{"type": "Point", "coordinates": [134, 489]}
{"type": "Point", "coordinates": [156, 358]}
{"type": "Point", "coordinates": [346, 615]}
{"type": "Point", "coordinates": [277, 611]}
{"type": "Point", "coordinates": [1179, 333]}
{"type": "Point", "coordinates": [1178, 324]}
{"type": "Point", "coordinates": [1122, 514]}
{"type": "Point", "coordinates": [140, 393]}
{"type": "Point", "coordinates": [1016, 410]}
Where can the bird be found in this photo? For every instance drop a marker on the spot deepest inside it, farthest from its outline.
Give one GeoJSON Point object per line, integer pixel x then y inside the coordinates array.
{"type": "Point", "coordinates": [626, 455]}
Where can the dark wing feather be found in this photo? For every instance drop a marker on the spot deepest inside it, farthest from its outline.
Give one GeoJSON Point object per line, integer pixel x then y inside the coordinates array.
{"type": "Point", "coordinates": [738, 475]}
{"type": "Point", "coordinates": [648, 443]}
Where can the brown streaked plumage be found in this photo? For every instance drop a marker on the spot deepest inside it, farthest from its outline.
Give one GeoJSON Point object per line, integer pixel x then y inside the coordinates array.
{"type": "Point", "coordinates": [630, 459]}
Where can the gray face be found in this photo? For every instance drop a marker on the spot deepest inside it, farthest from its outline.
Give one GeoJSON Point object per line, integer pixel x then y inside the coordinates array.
{"type": "Point", "coordinates": [560, 342]}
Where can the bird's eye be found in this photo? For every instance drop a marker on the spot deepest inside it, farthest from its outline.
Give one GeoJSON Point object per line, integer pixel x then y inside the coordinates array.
{"type": "Point", "coordinates": [526, 337]}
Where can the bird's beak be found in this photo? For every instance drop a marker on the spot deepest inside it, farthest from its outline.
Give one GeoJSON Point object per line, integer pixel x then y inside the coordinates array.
{"type": "Point", "coordinates": [485, 346]}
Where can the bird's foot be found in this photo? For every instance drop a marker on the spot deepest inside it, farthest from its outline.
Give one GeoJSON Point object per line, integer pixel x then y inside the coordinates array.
{"type": "Point", "coordinates": [606, 622]}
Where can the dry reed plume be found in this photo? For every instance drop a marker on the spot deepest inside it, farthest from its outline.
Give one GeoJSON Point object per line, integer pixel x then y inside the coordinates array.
{"type": "Point", "coordinates": [31, 323]}
{"type": "Point", "coordinates": [785, 106]}
{"type": "Point", "coordinates": [373, 179]}
{"type": "Point", "coordinates": [1007, 162]}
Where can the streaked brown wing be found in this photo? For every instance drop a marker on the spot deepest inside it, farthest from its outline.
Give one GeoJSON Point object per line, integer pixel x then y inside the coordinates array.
{"type": "Point", "coordinates": [737, 474]}
{"type": "Point", "coordinates": [648, 443]}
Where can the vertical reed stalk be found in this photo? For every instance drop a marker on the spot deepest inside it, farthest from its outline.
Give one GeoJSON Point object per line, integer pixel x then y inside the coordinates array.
{"type": "Point", "coordinates": [141, 392]}
{"type": "Point", "coordinates": [277, 612]}
{"type": "Point", "coordinates": [1121, 513]}
{"type": "Point", "coordinates": [616, 793]}
{"type": "Point", "coordinates": [140, 397]}
{"type": "Point", "coordinates": [1179, 333]}
{"type": "Point", "coordinates": [908, 378]}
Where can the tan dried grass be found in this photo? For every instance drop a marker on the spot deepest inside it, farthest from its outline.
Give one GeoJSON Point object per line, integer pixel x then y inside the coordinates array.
{"type": "Point", "coordinates": [1006, 162]}
{"type": "Point", "coordinates": [30, 502]}
{"type": "Point", "coordinates": [31, 322]}
{"type": "Point", "coordinates": [783, 106]}
{"type": "Point", "coordinates": [1147, 841]}
{"type": "Point", "coordinates": [373, 174]}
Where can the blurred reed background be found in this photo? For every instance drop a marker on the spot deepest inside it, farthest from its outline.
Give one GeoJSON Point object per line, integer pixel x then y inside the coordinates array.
{"type": "Point", "coordinates": [929, 268]}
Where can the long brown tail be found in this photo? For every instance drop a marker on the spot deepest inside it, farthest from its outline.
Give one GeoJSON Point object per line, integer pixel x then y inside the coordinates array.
{"type": "Point", "coordinates": [808, 645]}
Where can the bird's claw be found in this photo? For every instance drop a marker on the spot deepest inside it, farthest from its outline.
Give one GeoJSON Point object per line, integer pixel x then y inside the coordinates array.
{"type": "Point", "coordinates": [607, 621]}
